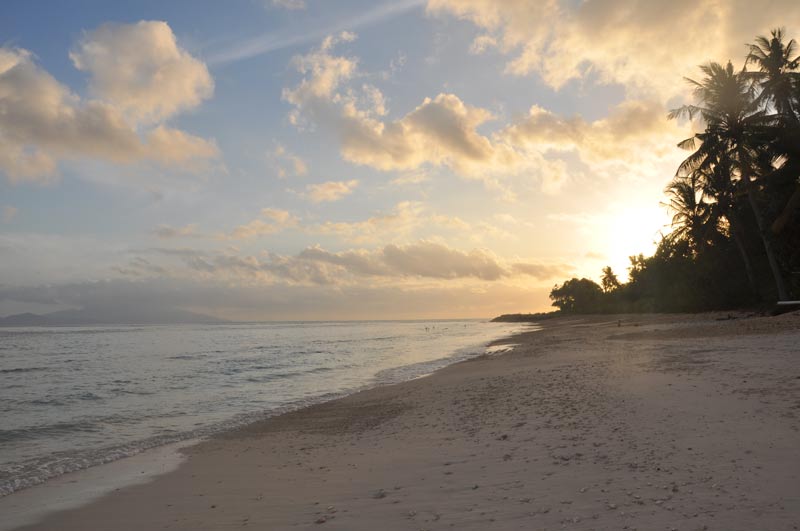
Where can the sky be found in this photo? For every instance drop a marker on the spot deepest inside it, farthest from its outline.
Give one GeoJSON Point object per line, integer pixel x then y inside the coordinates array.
{"type": "Point", "coordinates": [342, 159]}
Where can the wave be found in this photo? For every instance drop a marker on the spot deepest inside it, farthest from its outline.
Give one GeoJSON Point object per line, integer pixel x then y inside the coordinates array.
{"type": "Point", "coordinates": [228, 386]}
{"type": "Point", "coordinates": [23, 369]}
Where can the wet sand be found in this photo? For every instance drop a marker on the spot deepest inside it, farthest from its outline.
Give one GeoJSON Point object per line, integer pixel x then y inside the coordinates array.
{"type": "Point", "coordinates": [613, 422]}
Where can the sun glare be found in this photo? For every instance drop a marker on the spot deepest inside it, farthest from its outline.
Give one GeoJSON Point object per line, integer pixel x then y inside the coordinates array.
{"type": "Point", "coordinates": [630, 231]}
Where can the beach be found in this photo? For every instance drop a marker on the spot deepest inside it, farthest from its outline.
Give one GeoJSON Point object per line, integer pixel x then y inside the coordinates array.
{"type": "Point", "coordinates": [684, 422]}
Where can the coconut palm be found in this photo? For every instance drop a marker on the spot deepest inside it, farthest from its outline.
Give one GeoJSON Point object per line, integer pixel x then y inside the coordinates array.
{"type": "Point", "coordinates": [777, 77]}
{"type": "Point", "coordinates": [720, 196]}
{"type": "Point", "coordinates": [609, 282]}
{"type": "Point", "coordinates": [778, 81]}
{"type": "Point", "coordinates": [694, 219]}
{"type": "Point", "coordinates": [736, 127]}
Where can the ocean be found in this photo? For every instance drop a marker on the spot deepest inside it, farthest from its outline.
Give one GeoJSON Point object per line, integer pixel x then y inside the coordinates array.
{"type": "Point", "coordinates": [75, 397]}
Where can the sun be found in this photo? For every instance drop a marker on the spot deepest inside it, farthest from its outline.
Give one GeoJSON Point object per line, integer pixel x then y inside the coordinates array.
{"type": "Point", "coordinates": [632, 230]}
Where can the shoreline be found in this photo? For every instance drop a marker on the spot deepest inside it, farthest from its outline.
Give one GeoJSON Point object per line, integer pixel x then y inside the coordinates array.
{"type": "Point", "coordinates": [96, 480]}
{"type": "Point", "coordinates": [499, 441]}
{"type": "Point", "coordinates": [74, 490]}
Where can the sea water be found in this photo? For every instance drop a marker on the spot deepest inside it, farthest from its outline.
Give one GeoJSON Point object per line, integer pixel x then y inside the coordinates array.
{"type": "Point", "coordinates": [71, 398]}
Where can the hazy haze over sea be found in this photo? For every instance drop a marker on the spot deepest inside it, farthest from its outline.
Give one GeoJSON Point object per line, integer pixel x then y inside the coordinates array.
{"type": "Point", "coordinates": [75, 397]}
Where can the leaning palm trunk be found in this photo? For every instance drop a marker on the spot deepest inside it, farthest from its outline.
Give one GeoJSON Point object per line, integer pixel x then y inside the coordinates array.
{"type": "Point", "coordinates": [783, 294]}
{"type": "Point", "coordinates": [788, 211]}
{"type": "Point", "coordinates": [748, 266]}
{"type": "Point", "coordinates": [763, 231]}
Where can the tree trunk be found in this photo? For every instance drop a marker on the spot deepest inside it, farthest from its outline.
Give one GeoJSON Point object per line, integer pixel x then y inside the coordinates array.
{"type": "Point", "coordinates": [788, 211]}
{"type": "Point", "coordinates": [748, 266]}
{"type": "Point", "coordinates": [783, 294]}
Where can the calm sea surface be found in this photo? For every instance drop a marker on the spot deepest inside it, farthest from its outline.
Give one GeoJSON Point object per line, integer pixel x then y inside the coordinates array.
{"type": "Point", "coordinates": [71, 398]}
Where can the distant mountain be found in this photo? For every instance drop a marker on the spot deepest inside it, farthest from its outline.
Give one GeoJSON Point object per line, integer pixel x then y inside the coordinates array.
{"type": "Point", "coordinates": [109, 316]}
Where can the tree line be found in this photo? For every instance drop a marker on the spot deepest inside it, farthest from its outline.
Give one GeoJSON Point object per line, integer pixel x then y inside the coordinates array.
{"type": "Point", "coordinates": [735, 239]}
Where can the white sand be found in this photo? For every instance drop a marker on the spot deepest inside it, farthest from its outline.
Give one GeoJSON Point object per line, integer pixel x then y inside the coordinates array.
{"type": "Point", "coordinates": [667, 422]}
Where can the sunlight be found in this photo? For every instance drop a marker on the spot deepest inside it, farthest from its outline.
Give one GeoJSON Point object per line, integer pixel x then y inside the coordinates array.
{"type": "Point", "coordinates": [633, 230]}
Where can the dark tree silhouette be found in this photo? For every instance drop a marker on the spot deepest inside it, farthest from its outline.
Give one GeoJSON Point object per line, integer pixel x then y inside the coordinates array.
{"type": "Point", "coordinates": [736, 125]}
{"type": "Point", "coordinates": [609, 280]}
{"type": "Point", "coordinates": [734, 200]}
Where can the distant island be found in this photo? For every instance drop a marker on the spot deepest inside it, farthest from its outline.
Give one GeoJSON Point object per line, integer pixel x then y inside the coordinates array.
{"type": "Point", "coordinates": [109, 316]}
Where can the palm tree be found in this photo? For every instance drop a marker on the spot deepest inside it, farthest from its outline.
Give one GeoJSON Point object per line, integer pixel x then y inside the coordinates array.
{"type": "Point", "coordinates": [776, 77]}
{"type": "Point", "coordinates": [609, 282]}
{"type": "Point", "coordinates": [694, 219]}
{"type": "Point", "coordinates": [718, 194]}
{"type": "Point", "coordinates": [778, 80]}
{"type": "Point", "coordinates": [736, 125]}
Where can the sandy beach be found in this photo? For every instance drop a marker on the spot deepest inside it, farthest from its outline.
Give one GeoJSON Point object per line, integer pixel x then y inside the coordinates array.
{"type": "Point", "coordinates": [608, 422]}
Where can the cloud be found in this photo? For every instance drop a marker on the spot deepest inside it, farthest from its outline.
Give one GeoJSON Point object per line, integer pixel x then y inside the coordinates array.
{"type": "Point", "coordinates": [324, 71]}
{"type": "Point", "coordinates": [434, 260]}
{"type": "Point", "coordinates": [140, 267]}
{"type": "Point", "coordinates": [414, 177]}
{"type": "Point", "coordinates": [9, 212]}
{"type": "Point", "coordinates": [140, 69]}
{"type": "Point", "coordinates": [330, 190]}
{"type": "Point", "coordinates": [283, 301]}
{"type": "Point", "coordinates": [636, 134]}
{"type": "Point", "coordinates": [441, 131]}
{"type": "Point", "coordinates": [279, 40]}
{"type": "Point", "coordinates": [274, 221]}
{"type": "Point", "coordinates": [481, 43]}
{"type": "Point", "coordinates": [539, 271]}
{"type": "Point", "coordinates": [289, 4]}
{"type": "Point", "coordinates": [287, 163]}
{"type": "Point", "coordinates": [420, 260]}
{"type": "Point", "coordinates": [172, 147]}
{"type": "Point", "coordinates": [423, 259]}
{"type": "Point", "coordinates": [43, 122]}
{"type": "Point", "coordinates": [621, 41]}
{"type": "Point", "coordinates": [404, 222]}
{"type": "Point", "coordinates": [444, 132]}
{"type": "Point", "coordinates": [400, 222]}
{"type": "Point", "coordinates": [166, 232]}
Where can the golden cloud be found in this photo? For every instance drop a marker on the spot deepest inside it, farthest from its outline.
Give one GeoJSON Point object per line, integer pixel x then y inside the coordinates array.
{"type": "Point", "coordinates": [646, 45]}
{"type": "Point", "coordinates": [140, 69]}
{"type": "Point", "coordinates": [330, 190]}
{"type": "Point", "coordinates": [43, 121]}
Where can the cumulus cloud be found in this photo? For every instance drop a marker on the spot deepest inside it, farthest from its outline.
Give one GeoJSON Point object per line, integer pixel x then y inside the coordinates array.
{"type": "Point", "coordinates": [629, 42]}
{"type": "Point", "coordinates": [140, 69]}
{"type": "Point", "coordinates": [44, 122]}
{"type": "Point", "coordinates": [324, 72]}
{"type": "Point", "coordinates": [330, 190]}
{"type": "Point", "coordinates": [441, 131]}
{"type": "Point", "coordinates": [173, 147]}
{"type": "Point", "coordinates": [271, 221]}
{"type": "Point", "coordinates": [634, 133]}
